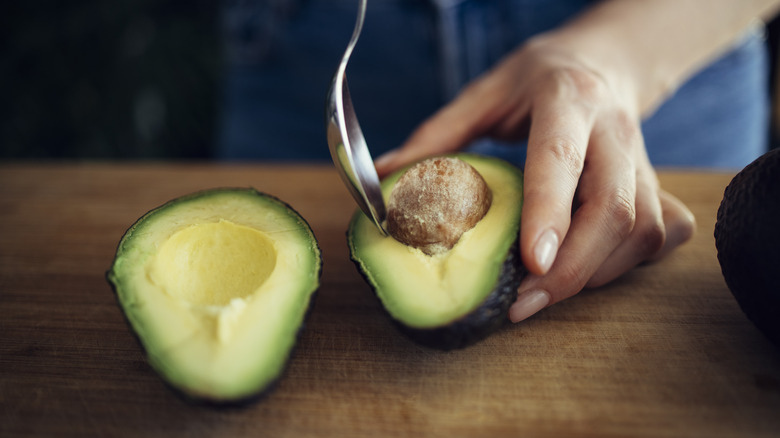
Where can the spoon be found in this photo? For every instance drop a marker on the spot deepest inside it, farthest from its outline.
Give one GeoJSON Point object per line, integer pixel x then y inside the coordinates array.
{"type": "Point", "coordinates": [347, 145]}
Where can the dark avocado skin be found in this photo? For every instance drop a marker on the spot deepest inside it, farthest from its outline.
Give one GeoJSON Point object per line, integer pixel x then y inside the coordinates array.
{"type": "Point", "coordinates": [482, 321]}
{"type": "Point", "coordinates": [747, 238]}
{"type": "Point", "coordinates": [262, 393]}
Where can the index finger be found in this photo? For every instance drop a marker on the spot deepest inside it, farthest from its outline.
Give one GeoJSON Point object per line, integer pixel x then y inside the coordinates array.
{"type": "Point", "coordinates": [468, 116]}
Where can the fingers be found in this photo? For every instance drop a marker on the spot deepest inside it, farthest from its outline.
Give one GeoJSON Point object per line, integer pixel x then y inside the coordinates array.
{"type": "Point", "coordinates": [600, 246]}
{"type": "Point", "coordinates": [666, 224]}
{"type": "Point", "coordinates": [679, 224]}
{"type": "Point", "coordinates": [663, 223]}
{"type": "Point", "coordinates": [647, 236]}
{"type": "Point", "coordinates": [475, 111]}
{"type": "Point", "coordinates": [678, 227]}
{"type": "Point", "coordinates": [445, 131]}
{"type": "Point", "coordinates": [557, 146]}
{"type": "Point", "coordinates": [607, 215]}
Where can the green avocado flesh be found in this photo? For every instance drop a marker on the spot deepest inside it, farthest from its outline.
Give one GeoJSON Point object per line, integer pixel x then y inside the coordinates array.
{"type": "Point", "coordinates": [434, 295]}
{"type": "Point", "coordinates": [216, 286]}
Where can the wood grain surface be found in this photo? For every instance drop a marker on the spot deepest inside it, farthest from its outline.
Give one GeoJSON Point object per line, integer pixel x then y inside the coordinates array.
{"type": "Point", "coordinates": [662, 352]}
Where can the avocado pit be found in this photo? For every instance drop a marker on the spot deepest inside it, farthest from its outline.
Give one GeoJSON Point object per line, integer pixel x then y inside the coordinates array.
{"type": "Point", "coordinates": [435, 202]}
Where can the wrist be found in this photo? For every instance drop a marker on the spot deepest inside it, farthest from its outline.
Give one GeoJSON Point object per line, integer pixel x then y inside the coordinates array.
{"type": "Point", "coordinates": [647, 49]}
{"type": "Point", "coordinates": [603, 59]}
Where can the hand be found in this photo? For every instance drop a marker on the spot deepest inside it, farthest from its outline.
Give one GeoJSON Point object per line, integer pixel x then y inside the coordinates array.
{"type": "Point", "coordinates": [592, 207]}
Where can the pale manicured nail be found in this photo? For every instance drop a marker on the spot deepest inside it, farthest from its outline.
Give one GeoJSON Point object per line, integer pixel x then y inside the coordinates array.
{"type": "Point", "coordinates": [546, 249]}
{"type": "Point", "coordinates": [527, 304]}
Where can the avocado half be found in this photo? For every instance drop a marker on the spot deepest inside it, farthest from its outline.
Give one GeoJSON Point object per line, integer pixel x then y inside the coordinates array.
{"type": "Point", "coordinates": [454, 299]}
{"type": "Point", "coordinates": [216, 286]}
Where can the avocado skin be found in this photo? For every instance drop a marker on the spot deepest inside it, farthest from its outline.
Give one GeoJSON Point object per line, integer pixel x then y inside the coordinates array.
{"type": "Point", "coordinates": [747, 238]}
{"type": "Point", "coordinates": [479, 323]}
{"type": "Point", "coordinates": [205, 399]}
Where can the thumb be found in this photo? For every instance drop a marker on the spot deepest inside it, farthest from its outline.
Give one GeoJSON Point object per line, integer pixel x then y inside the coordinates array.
{"type": "Point", "coordinates": [449, 129]}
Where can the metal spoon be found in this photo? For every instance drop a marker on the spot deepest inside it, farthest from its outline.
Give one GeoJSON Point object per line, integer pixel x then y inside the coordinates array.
{"type": "Point", "coordinates": [346, 142]}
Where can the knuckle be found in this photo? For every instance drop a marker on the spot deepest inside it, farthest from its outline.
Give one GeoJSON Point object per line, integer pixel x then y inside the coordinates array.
{"type": "Point", "coordinates": [620, 213]}
{"type": "Point", "coordinates": [588, 85]}
{"type": "Point", "coordinates": [626, 128]}
{"type": "Point", "coordinates": [650, 237]}
{"type": "Point", "coordinates": [576, 84]}
{"type": "Point", "coordinates": [646, 240]}
{"type": "Point", "coordinates": [565, 152]}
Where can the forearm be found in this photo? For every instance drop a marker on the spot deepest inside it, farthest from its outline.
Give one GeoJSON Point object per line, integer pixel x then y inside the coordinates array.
{"type": "Point", "coordinates": [647, 48]}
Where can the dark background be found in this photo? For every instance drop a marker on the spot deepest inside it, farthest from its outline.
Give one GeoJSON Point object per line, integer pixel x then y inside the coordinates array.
{"type": "Point", "coordinates": [125, 79]}
{"type": "Point", "coordinates": [109, 79]}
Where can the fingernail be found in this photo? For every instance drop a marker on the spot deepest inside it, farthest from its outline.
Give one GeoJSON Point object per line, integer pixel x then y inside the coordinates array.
{"type": "Point", "coordinates": [527, 304]}
{"type": "Point", "coordinates": [545, 250]}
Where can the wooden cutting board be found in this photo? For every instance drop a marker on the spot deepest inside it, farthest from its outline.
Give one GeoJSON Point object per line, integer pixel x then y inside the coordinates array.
{"type": "Point", "coordinates": [663, 351]}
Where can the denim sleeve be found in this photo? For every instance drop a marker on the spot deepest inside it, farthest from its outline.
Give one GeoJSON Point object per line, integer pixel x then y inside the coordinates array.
{"type": "Point", "coordinates": [719, 118]}
{"type": "Point", "coordinates": [414, 55]}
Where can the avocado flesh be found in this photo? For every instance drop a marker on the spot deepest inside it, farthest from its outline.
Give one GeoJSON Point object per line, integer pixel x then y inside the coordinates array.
{"type": "Point", "coordinates": [216, 286]}
{"type": "Point", "coordinates": [427, 294]}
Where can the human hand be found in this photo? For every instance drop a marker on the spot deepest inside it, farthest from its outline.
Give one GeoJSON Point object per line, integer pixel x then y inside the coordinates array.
{"type": "Point", "coordinates": [592, 208]}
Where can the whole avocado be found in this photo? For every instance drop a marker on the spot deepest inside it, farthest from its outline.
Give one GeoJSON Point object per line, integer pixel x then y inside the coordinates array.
{"type": "Point", "coordinates": [747, 238]}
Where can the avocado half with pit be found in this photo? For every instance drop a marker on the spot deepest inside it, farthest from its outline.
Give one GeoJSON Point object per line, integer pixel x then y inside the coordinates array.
{"type": "Point", "coordinates": [457, 298]}
{"type": "Point", "coordinates": [216, 286]}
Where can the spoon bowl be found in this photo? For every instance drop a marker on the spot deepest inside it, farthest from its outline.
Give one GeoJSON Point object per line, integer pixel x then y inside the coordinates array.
{"type": "Point", "coordinates": [348, 147]}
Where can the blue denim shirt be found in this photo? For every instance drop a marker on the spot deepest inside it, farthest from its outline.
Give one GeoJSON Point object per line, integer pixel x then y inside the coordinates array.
{"type": "Point", "coordinates": [414, 55]}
